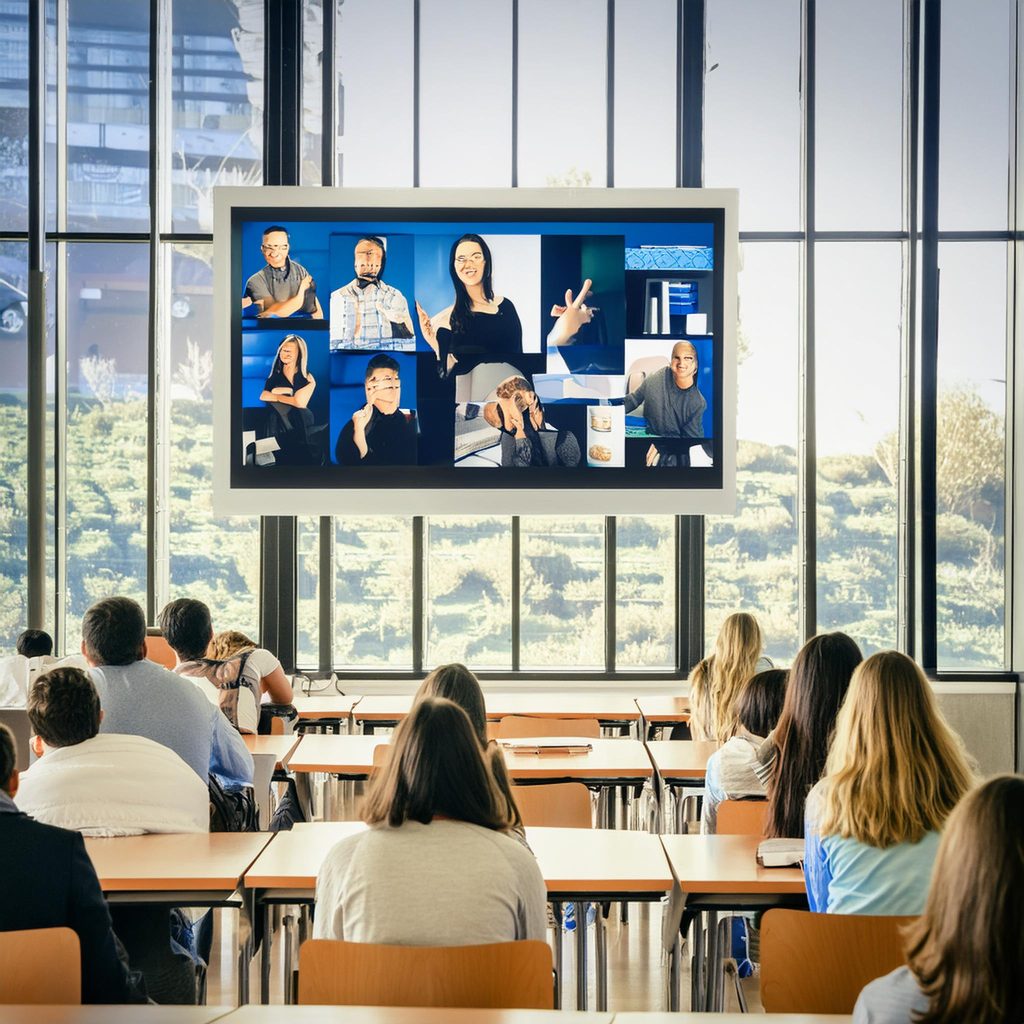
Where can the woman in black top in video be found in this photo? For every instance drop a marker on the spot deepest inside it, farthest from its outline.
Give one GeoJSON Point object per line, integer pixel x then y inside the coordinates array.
{"type": "Point", "coordinates": [287, 392]}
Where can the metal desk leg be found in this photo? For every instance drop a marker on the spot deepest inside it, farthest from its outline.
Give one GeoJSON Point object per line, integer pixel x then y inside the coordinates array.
{"type": "Point", "coordinates": [600, 957]}
{"type": "Point", "coordinates": [712, 961]}
{"type": "Point", "coordinates": [304, 794]}
{"type": "Point", "coordinates": [697, 965]}
{"type": "Point", "coordinates": [674, 973]}
{"type": "Point", "coordinates": [288, 937]}
{"type": "Point", "coordinates": [246, 914]}
{"type": "Point", "coordinates": [724, 950]}
{"type": "Point", "coordinates": [581, 956]}
{"type": "Point", "coordinates": [556, 913]}
{"type": "Point", "coordinates": [265, 953]}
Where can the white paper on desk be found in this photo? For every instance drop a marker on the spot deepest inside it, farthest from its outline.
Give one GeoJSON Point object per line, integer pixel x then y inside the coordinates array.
{"type": "Point", "coordinates": [267, 444]}
{"type": "Point", "coordinates": [699, 457]}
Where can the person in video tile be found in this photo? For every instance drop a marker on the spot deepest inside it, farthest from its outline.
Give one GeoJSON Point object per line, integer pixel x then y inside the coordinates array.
{"type": "Point", "coordinates": [287, 392]}
{"type": "Point", "coordinates": [379, 433]}
{"type": "Point", "coordinates": [525, 438]}
{"type": "Point", "coordinates": [283, 287]}
{"type": "Point", "coordinates": [673, 404]}
{"type": "Point", "coordinates": [366, 312]}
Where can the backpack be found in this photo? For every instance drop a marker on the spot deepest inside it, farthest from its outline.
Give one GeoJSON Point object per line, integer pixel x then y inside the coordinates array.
{"type": "Point", "coordinates": [229, 677]}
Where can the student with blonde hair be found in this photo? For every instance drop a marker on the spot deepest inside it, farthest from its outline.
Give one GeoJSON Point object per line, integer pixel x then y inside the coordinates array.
{"type": "Point", "coordinates": [437, 867]}
{"type": "Point", "coordinates": [965, 952]}
{"type": "Point", "coordinates": [716, 681]}
{"type": "Point", "coordinates": [895, 770]}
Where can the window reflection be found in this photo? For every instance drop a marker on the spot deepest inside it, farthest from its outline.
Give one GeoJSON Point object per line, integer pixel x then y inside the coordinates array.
{"type": "Point", "coordinates": [645, 592]}
{"type": "Point", "coordinates": [14, 116]}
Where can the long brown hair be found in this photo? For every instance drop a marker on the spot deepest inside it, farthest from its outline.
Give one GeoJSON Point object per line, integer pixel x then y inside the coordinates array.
{"type": "Point", "coordinates": [457, 683]}
{"type": "Point", "coordinates": [818, 680]}
{"type": "Point", "coordinates": [895, 769]}
{"type": "Point", "coordinates": [967, 948]}
{"type": "Point", "coordinates": [436, 768]}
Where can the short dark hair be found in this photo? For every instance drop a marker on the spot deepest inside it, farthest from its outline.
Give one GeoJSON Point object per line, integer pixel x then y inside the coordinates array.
{"type": "Point", "coordinates": [8, 755]}
{"type": "Point", "coordinates": [436, 767]}
{"type": "Point", "coordinates": [382, 362]}
{"type": "Point", "coordinates": [187, 627]}
{"type": "Point", "coordinates": [114, 631]}
{"type": "Point", "coordinates": [64, 707]}
{"type": "Point", "coordinates": [33, 643]}
{"type": "Point", "coordinates": [276, 227]}
{"type": "Point", "coordinates": [759, 703]}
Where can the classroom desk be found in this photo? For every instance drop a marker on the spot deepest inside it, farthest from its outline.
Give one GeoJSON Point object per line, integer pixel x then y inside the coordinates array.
{"type": "Point", "coordinates": [406, 1015]}
{"type": "Point", "coordinates": [662, 710]}
{"type": "Point", "coordinates": [721, 873]}
{"type": "Point", "coordinates": [636, 1017]}
{"type": "Point", "coordinates": [681, 761]}
{"type": "Point", "coordinates": [279, 746]}
{"type": "Point", "coordinates": [198, 870]}
{"type": "Point", "coordinates": [327, 707]}
{"type": "Point", "coordinates": [113, 1014]}
{"type": "Point", "coordinates": [578, 866]}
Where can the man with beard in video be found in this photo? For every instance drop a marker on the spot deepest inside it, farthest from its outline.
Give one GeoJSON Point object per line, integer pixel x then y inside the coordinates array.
{"type": "Point", "coordinates": [366, 312]}
{"type": "Point", "coordinates": [379, 433]}
{"type": "Point", "coordinates": [283, 287]}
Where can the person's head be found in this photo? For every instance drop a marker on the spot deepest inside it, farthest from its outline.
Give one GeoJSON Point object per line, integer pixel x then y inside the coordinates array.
{"type": "Point", "coordinates": [34, 643]}
{"type": "Point", "coordinates": [895, 769]}
{"type": "Point", "coordinates": [8, 762]}
{"type": "Point", "coordinates": [114, 632]}
{"type": "Point", "coordinates": [818, 680]}
{"type": "Point", "coordinates": [63, 708]}
{"type": "Point", "coordinates": [383, 384]}
{"type": "Point", "coordinates": [967, 948]}
{"type": "Point", "coordinates": [760, 701]}
{"type": "Point", "coordinates": [291, 354]}
{"type": "Point", "coordinates": [370, 258]}
{"type": "Point", "coordinates": [684, 363]}
{"type": "Point", "coordinates": [275, 246]}
{"type": "Point", "coordinates": [718, 681]}
{"type": "Point", "coordinates": [469, 265]}
{"type": "Point", "coordinates": [187, 628]}
{"type": "Point", "coordinates": [436, 768]}
{"type": "Point", "coordinates": [227, 644]}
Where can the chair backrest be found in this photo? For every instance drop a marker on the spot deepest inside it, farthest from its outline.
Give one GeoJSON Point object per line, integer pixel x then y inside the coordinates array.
{"type": "Point", "coordinates": [818, 963]}
{"type": "Point", "coordinates": [159, 650]}
{"type": "Point", "coordinates": [381, 754]}
{"type": "Point", "coordinates": [504, 975]}
{"type": "Point", "coordinates": [16, 719]}
{"type": "Point", "coordinates": [42, 965]}
{"type": "Point", "coordinates": [741, 817]}
{"type": "Point", "coordinates": [558, 804]}
{"type": "Point", "coordinates": [513, 726]}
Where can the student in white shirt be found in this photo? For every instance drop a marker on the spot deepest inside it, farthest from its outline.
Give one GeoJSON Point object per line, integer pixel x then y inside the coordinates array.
{"type": "Point", "coordinates": [437, 867]}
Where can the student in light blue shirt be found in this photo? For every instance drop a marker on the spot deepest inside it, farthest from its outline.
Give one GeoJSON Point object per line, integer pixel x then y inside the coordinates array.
{"type": "Point", "coordinates": [141, 698]}
{"type": "Point", "coordinates": [895, 770]}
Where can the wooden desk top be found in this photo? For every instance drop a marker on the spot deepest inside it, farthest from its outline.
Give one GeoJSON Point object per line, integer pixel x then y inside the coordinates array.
{"type": "Point", "coordinates": [293, 859]}
{"type": "Point", "coordinates": [727, 865]}
{"type": "Point", "coordinates": [681, 759]}
{"type": "Point", "coordinates": [406, 1015]}
{"type": "Point", "coordinates": [342, 755]}
{"type": "Point", "coordinates": [112, 1014]}
{"type": "Point", "coordinates": [636, 1017]}
{"type": "Point", "coordinates": [608, 759]}
{"type": "Point", "coordinates": [172, 863]}
{"type": "Point", "coordinates": [612, 706]}
{"type": "Point", "coordinates": [328, 704]}
{"type": "Point", "coordinates": [661, 709]}
{"type": "Point", "coordinates": [279, 746]}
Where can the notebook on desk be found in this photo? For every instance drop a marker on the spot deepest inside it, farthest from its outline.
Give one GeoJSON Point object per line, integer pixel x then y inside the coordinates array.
{"type": "Point", "coordinates": [780, 853]}
{"type": "Point", "coordinates": [541, 746]}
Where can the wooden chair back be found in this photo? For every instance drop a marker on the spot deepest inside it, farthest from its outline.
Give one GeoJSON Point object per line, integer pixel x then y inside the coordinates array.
{"type": "Point", "coordinates": [515, 726]}
{"type": "Point", "coordinates": [818, 963]}
{"type": "Point", "coordinates": [741, 817]}
{"type": "Point", "coordinates": [381, 754]}
{"type": "Point", "coordinates": [159, 650]}
{"type": "Point", "coordinates": [42, 965]}
{"type": "Point", "coordinates": [504, 975]}
{"type": "Point", "coordinates": [560, 805]}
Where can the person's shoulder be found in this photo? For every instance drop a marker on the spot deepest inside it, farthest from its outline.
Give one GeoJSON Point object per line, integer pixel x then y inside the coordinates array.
{"type": "Point", "coordinates": [890, 999]}
{"type": "Point", "coordinates": [41, 838]}
{"type": "Point", "coordinates": [298, 268]}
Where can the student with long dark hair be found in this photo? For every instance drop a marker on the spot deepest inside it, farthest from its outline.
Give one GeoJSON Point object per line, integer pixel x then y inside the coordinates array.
{"type": "Point", "coordinates": [965, 952]}
{"type": "Point", "coordinates": [437, 867]}
{"type": "Point", "coordinates": [792, 759]}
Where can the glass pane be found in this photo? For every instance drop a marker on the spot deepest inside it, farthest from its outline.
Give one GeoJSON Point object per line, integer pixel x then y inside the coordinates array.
{"type": "Point", "coordinates": [217, 105]}
{"type": "Point", "coordinates": [108, 116]}
{"type": "Point", "coordinates": [14, 116]}
{"type": "Point", "coordinates": [451, 31]}
{"type": "Point", "coordinates": [308, 603]}
{"type": "Point", "coordinates": [857, 393]}
{"type": "Point", "coordinates": [312, 92]}
{"type": "Point", "coordinates": [971, 471]}
{"type": "Point", "coordinates": [372, 592]}
{"type": "Point", "coordinates": [859, 116]}
{"type": "Point", "coordinates": [374, 65]}
{"type": "Point", "coordinates": [751, 561]}
{"type": "Point", "coordinates": [752, 109]}
{"type": "Point", "coordinates": [645, 592]}
{"type": "Point", "coordinates": [14, 450]}
{"type": "Point", "coordinates": [108, 325]}
{"type": "Point", "coordinates": [974, 114]}
{"type": "Point", "coordinates": [469, 591]}
{"type": "Point", "coordinates": [214, 559]}
{"type": "Point", "coordinates": [645, 94]}
{"type": "Point", "coordinates": [562, 599]}
{"type": "Point", "coordinates": [562, 65]}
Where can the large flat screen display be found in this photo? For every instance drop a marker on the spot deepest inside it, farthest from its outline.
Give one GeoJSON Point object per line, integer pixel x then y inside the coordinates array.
{"type": "Point", "coordinates": [512, 350]}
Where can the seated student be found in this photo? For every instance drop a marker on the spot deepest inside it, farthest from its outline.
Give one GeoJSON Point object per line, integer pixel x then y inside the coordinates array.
{"type": "Point", "coordinates": [965, 952]}
{"type": "Point", "coordinates": [456, 683]}
{"type": "Point", "coordinates": [49, 882]}
{"type": "Point", "coordinates": [34, 643]}
{"type": "Point", "coordinates": [792, 758]}
{"type": "Point", "coordinates": [895, 770]}
{"type": "Point", "coordinates": [729, 772]}
{"type": "Point", "coordinates": [110, 785]}
{"type": "Point", "coordinates": [141, 698]}
{"type": "Point", "coordinates": [438, 866]}
{"type": "Point", "coordinates": [229, 642]}
{"type": "Point", "coordinates": [236, 684]}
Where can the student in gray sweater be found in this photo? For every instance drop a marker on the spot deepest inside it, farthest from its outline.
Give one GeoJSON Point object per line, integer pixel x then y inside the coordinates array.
{"type": "Point", "coordinates": [437, 867]}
